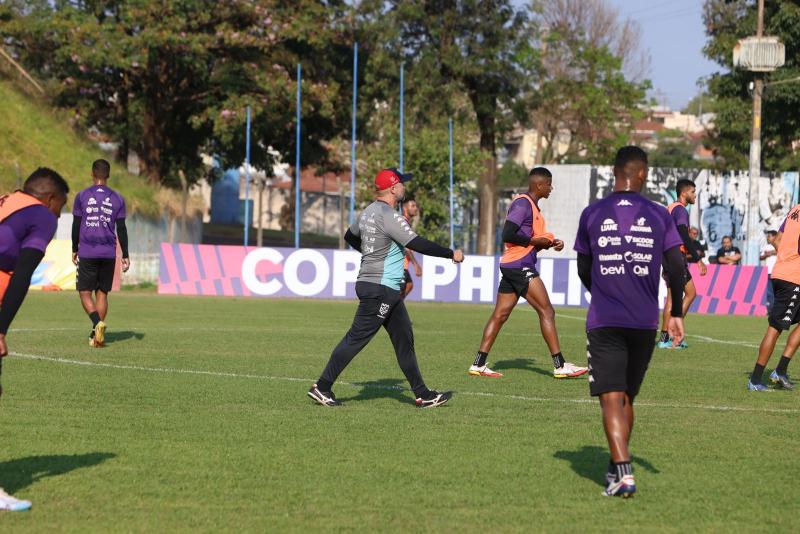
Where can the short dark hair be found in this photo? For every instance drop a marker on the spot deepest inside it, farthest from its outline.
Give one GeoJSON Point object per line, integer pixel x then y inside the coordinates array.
{"type": "Point", "coordinates": [410, 198]}
{"type": "Point", "coordinates": [540, 171]}
{"type": "Point", "coordinates": [773, 233]}
{"type": "Point", "coordinates": [627, 154]}
{"type": "Point", "coordinates": [101, 169]}
{"type": "Point", "coordinates": [45, 180]}
{"type": "Point", "coordinates": [682, 185]}
{"type": "Point", "coordinates": [727, 237]}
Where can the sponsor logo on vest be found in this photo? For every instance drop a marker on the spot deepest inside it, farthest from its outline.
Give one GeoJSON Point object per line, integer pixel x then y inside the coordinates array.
{"type": "Point", "coordinates": [640, 226]}
{"type": "Point", "coordinates": [609, 257]}
{"type": "Point", "coordinates": [638, 257]}
{"type": "Point", "coordinates": [644, 242]}
{"type": "Point", "coordinates": [609, 225]}
{"type": "Point", "coordinates": [612, 270]}
{"type": "Point", "coordinates": [641, 270]}
{"type": "Point", "coordinates": [604, 241]}
{"type": "Point", "coordinates": [624, 202]}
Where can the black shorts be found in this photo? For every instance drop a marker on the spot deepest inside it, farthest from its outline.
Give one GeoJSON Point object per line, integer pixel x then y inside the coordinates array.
{"type": "Point", "coordinates": [687, 275]}
{"type": "Point", "coordinates": [407, 277]}
{"type": "Point", "coordinates": [95, 274]}
{"type": "Point", "coordinates": [516, 280]}
{"type": "Point", "coordinates": [786, 304]}
{"type": "Point", "coordinates": [618, 359]}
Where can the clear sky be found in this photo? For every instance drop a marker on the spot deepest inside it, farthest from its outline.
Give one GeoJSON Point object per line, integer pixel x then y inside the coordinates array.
{"type": "Point", "coordinates": [674, 34]}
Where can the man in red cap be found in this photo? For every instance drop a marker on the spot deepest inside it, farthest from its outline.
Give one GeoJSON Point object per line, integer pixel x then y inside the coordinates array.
{"type": "Point", "coordinates": [381, 234]}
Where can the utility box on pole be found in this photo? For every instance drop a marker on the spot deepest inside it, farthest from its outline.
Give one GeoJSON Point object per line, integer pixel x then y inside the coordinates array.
{"type": "Point", "coordinates": [758, 54]}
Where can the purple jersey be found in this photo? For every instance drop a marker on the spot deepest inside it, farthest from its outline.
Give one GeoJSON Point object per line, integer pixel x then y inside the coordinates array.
{"type": "Point", "coordinates": [31, 227]}
{"type": "Point", "coordinates": [681, 215]}
{"type": "Point", "coordinates": [521, 214]}
{"type": "Point", "coordinates": [99, 208]}
{"type": "Point", "coordinates": [626, 235]}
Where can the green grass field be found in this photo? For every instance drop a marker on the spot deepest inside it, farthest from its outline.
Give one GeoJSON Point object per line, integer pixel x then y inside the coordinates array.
{"type": "Point", "coordinates": [195, 418]}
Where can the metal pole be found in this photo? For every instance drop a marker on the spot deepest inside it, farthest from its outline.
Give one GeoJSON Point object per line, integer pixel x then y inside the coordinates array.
{"type": "Point", "coordinates": [753, 237]}
{"type": "Point", "coordinates": [402, 112]}
{"type": "Point", "coordinates": [353, 140]}
{"type": "Point", "coordinates": [247, 183]}
{"type": "Point", "coordinates": [297, 171]}
{"type": "Point", "coordinates": [450, 125]}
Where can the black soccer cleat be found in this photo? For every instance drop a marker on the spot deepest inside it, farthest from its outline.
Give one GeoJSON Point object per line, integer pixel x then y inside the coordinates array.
{"type": "Point", "coordinates": [325, 398]}
{"type": "Point", "coordinates": [433, 399]}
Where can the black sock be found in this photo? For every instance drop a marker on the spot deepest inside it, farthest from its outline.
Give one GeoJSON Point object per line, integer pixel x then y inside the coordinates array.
{"type": "Point", "coordinates": [480, 359]}
{"type": "Point", "coordinates": [324, 385]}
{"type": "Point", "coordinates": [558, 360]}
{"type": "Point", "coordinates": [95, 317]}
{"type": "Point", "coordinates": [623, 468]}
{"type": "Point", "coordinates": [663, 337]}
{"type": "Point", "coordinates": [612, 470]}
{"type": "Point", "coordinates": [758, 370]}
{"type": "Point", "coordinates": [783, 365]}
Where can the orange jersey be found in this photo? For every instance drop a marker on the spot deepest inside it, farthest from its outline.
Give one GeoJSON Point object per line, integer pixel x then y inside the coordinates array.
{"type": "Point", "coordinates": [787, 265]}
{"type": "Point", "coordinates": [10, 204]}
{"type": "Point", "coordinates": [513, 252]}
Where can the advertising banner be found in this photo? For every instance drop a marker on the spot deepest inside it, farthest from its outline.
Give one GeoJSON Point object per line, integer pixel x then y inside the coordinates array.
{"type": "Point", "coordinates": [324, 273]}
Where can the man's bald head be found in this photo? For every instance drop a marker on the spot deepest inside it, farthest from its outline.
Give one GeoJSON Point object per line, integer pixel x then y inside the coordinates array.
{"type": "Point", "coordinates": [630, 167]}
{"type": "Point", "coordinates": [44, 182]}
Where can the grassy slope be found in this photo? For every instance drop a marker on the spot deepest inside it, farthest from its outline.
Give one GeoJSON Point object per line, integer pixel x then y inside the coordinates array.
{"type": "Point", "coordinates": [119, 449]}
{"type": "Point", "coordinates": [33, 135]}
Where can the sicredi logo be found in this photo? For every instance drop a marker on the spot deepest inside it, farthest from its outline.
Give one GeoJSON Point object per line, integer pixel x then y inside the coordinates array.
{"type": "Point", "coordinates": [644, 242]}
{"type": "Point", "coordinates": [638, 257]}
{"type": "Point", "coordinates": [609, 225]}
{"type": "Point", "coordinates": [612, 270]}
{"type": "Point", "coordinates": [604, 241]}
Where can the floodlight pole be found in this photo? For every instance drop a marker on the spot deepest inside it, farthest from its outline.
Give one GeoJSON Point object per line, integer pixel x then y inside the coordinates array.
{"type": "Point", "coordinates": [402, 113]}
{"type": "Point", "coordinates": [450, 127]}
{"type": "Point", "coordinates": [353, 140]}
{"type": "Point", "coordinates": [753, 237]}
{"type": "Point", "coordinates": [247, 182]}
{"type": "Point", "coordinates": [297, 171]}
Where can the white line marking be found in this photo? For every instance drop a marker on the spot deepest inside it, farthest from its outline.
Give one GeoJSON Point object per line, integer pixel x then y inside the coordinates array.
{"type": "Point", "coordinates": [399, 388]}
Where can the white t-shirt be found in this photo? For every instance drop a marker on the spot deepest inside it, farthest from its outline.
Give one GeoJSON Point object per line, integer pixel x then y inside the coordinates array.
{"type": "Point", "coordinates": [770, 261]}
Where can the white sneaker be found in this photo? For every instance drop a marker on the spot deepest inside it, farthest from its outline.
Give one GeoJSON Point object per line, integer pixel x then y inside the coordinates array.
{"type": "Point", "coordinates": [569, 370]}
{"type": "Point", "coordinates": [9, 503]}
{"type": "Point", "coordinates": [483, 370]}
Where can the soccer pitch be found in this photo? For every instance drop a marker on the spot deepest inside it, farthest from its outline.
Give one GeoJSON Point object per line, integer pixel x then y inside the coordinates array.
{"type": "Point", "coordinates": [195, 418]}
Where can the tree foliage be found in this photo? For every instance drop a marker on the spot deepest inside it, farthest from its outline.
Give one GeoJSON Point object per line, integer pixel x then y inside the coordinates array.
{"type": "Point", "coordinates": [585, 103]}
{"type": "Point", "coordinates": [172, 79]}
{"type": "Point", "coordinates": [726, 22]}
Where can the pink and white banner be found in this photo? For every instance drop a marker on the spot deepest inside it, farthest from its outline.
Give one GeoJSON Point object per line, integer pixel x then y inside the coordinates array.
{"type": "Point", "coordinates": [324, 273]}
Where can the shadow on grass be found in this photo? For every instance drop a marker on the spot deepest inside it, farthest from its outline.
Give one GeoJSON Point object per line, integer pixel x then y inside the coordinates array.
{"type": "Point", "coordinates": [114, 337]}
{"type": "Point", "coordinates": [19, 474]}
{"type": "Point", "coordinates": [591, 462]}
{"type": "Point", "coordinates": [381, 389]}
{"type": "Point", "coordinates": [525, 364]}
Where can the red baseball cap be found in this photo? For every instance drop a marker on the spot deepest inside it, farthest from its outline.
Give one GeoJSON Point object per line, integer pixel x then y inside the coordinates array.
{"type": "Point", "coordinates": [389, 177]}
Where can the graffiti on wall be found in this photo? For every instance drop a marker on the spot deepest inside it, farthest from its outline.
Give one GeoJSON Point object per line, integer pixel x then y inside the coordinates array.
{"type": "Point", "coordinates": [722, 199]}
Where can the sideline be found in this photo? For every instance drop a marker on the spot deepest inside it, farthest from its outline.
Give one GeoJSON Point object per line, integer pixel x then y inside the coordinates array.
{"type": "Point", "coordinates": [84, 363]}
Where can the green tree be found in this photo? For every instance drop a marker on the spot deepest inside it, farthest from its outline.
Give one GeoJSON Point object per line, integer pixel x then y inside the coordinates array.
{"type": "Point", "coordinates": [171, 79]}
{"type": "Point", "coordinates": [472, 49]}
{"type": "Point", "coordinates": [726, 22]}
{"type": "Point", "coordinates": [588, 95]}
{"type": "Point", "coordinates": [427, 157]}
